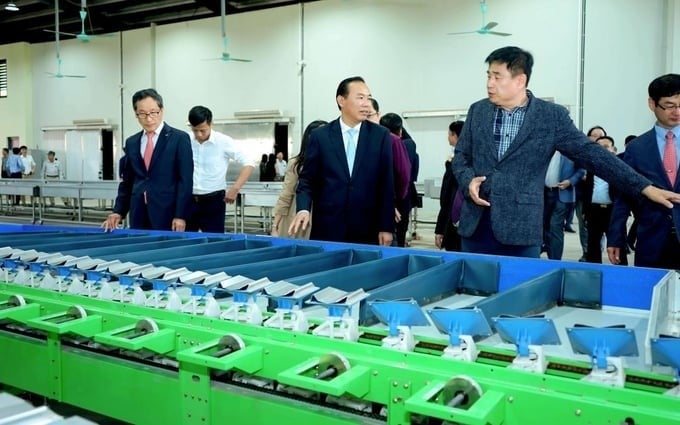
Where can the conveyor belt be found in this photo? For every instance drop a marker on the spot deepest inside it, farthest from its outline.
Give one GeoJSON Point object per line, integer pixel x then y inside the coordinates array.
{"type": "Point", "coordinates": [59, 243]}
{"type": "Point", "coordinates": [141, 249]}
{"type": "Point", "coordinates": [214, 263]}
{"type": "Point", "coordinates": [382, 383]}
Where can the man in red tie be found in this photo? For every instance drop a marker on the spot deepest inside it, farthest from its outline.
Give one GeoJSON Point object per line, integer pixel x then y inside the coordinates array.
{"type": "Point", "coordinates": [158, 173]}
{"type": "Point", "coordinates": [655, 155]}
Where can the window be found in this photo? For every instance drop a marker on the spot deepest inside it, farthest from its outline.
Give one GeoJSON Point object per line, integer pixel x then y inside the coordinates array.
{"type": "Point", "coordinates": [3, 77]}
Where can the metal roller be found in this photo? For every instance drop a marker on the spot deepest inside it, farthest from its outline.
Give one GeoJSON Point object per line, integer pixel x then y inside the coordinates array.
{"type": "Point", "coordinates": [461, 392]}
{"type": "Point", "coordinates": [143, 327]}
{"type": "Point", "coordinates": [13, 301]}
{"type": "Point", "coordinates": [228, 344]}
{"type": "Point", "coordinates": [331, 365]}
{"type": "Point", "coordinates": [74, 312]}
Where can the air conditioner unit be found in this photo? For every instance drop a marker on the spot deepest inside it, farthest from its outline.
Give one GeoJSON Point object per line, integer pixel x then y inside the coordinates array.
{"type": "Point", "coordinates": [91, 122]}
{"type": "Point", "coordinates": [258, 113]}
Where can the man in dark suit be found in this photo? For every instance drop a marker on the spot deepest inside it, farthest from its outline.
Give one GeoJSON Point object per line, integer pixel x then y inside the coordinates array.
{"type": "Point", "coordinates": [560, 179]}
{"type": "Point", "coordinates": [346, 178]}
{"type": "Point", "coordinates": [157, 178]}
{"type": "Point", "coordinates": [655, 155]}
{"type": "Point", "coordinates": [504, 152]}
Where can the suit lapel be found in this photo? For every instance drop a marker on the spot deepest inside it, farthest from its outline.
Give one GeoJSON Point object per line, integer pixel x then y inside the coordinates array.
{"type": "Point", "coordinates": [161, 145]}
{"type": "Point", "coordinates": [362, 144]}
{"type": "Point", "coordinates": [487, 127]}
{"type": "Point", "coordinates": [134, 151]}
{"type": "Point", "coordinates": [337, 145]}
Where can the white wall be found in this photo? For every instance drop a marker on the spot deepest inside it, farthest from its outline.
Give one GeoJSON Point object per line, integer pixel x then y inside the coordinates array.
{"type": "Point", "coordinates": [186, 75]}
{"type": "Point", "coordinates": [624, 53]}
{"type": "Point", "coordinates": [399, 46]}
{"type": "Point", "coordinates": [16, 110]}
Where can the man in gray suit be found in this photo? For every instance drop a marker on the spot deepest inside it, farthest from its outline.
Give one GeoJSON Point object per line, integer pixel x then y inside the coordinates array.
{"type": "Point", "coordinates": [503, 153]}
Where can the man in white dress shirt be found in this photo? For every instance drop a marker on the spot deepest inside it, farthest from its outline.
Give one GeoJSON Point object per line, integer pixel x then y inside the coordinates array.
{"type": "Point", "coordinates": [212, 151]}
{"type": "Point", "coordinates": [280, 167]}
{"type": "Point", "coordinates": [51, 170]}
{"type": "Point", "coordinates": [29, 168]}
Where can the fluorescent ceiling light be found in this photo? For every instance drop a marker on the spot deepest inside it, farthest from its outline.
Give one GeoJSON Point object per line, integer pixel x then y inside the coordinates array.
{"type": "Point", "coordinates": [12, 7]}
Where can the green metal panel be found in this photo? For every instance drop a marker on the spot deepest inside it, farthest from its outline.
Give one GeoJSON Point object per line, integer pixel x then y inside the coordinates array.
{"type": "Point", "coordinates": [194, 387]}
{"type": "Point", "coordinates": [24, 363]}
{"type": "Point", "coordinates": [121, 389]}
{"type": "Point", "coordinates": [243, 406]}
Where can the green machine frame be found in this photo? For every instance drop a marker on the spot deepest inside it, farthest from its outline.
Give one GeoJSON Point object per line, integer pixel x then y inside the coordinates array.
{"type": "Point", "coordinates": [148, 366]}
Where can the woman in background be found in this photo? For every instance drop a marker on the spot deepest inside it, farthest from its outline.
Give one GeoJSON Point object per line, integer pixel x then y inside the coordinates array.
{"type": "Point", "coordinates": [284, 211]}
{"type": "Point", "coordinates": [446, 231]}
{"type": "Point", "coordinates": [263, 167]}
{"type": "Point", "coordinates": [270, 169]}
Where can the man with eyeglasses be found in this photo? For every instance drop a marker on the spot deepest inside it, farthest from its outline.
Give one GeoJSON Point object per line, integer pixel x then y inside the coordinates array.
{"type": "Point", "coordinates": [655, 155]}
{"type": "Point", "coordinates": [158, 173]}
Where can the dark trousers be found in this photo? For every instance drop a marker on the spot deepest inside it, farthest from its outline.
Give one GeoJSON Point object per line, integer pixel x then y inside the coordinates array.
{"type": "Point", "coordinates": [404, 208]}
{"type": "Point", "coordinates": [568, 220]}
{"type": "Point", "coordinates": [598, 217]}
{"type": "Point", "coordinates": [554, 213]}
{"type": "Point", "coordinates": [207, 213]}
{"type": "Point", "coordinates": [670, 254]}
{"type": "Point", "coordinates": [451, 240]}
{"type": "Point", "coordinates": [582, 226]}
{"type": "Point", "coordinates": [15, 198]}
{"type": "Point", "coordinates": [484, 242]}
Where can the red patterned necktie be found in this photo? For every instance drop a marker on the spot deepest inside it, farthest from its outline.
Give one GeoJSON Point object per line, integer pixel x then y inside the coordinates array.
{"type": "Point", "coordinates": [670, 163]}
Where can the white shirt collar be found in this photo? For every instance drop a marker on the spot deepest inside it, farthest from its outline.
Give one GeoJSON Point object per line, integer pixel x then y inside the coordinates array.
{"type": "Point", "coordinates": [344, 127]}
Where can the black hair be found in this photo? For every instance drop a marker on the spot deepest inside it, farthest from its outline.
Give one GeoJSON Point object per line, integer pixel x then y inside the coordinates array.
{"type": "Point", "coordinates": [456, 127]}
{"type": "Point", "coordinates": [375, 104]}
{"type": "Point", "coordinates": [610, 138]}
{"type": "Point", "coordinates": [597, 127]}
{"type": "Point", "coordinates": [392, 122]}
{"type": "Point", "coordinates": [665, 86]}
{"type": "Point", "coordinates": [517, 60]}
{"type": "Point", "coordinates": [629, 139]}
{"type": "Point", "coordinates": [5, 150]}
{"type": "Point", "coordinates": [23, 147]}
{"type": "Point", "coordinates": [199, 115]}
{"type": "Point", "coordinates": [16, 151]}
{"type": "Point", "coordinates": [343, 87]}
{"type": "Point", "coordinates": [51, 153]}
{"type": "Point", "coordinates": [305, 141]}
{"type": "Point", "coordinates": [143, 94]}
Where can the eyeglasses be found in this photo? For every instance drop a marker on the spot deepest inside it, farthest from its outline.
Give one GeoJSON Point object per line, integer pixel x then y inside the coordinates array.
{"type": "Point", "coordinates": [668, 106]}
{"type": "Point", "coordinates": [152, 114]}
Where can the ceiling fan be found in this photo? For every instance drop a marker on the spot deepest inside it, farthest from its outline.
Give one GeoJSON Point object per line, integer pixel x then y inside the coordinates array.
{"type": "Point", "coordinates": [59, 74]}
{"type": "Point", "coordinates": [486, 27]}
{"type": "Point", "coordinates": [226, 57]}
{"type": "Point", "coordinates": [82, 36]}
